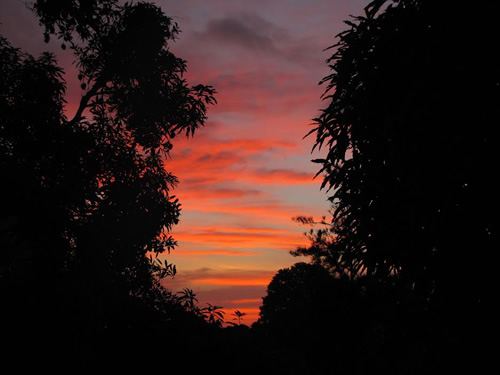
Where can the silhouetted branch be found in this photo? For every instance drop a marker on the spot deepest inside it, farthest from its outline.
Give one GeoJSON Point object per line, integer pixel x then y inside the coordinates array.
{"type": "Point", "coordinates": [84, 101]}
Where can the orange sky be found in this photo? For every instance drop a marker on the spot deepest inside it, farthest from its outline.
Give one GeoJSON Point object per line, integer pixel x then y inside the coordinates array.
{"type": "Point", "coordinates": [248, 172]}
{"type": "Point", "coordinates": [244, 176]}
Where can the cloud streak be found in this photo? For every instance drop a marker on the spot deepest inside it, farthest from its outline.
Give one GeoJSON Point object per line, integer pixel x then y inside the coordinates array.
{"type": "Point", "coordinates": [252, 32]}
{"type": "Point", "coordinates": [208, 277]}
{"type": "Point", "coordinates": [246, 30]}
{"type": "Point", "coordinates": [211, 252]}
{"type": "Point", "coordinates": [241, 238]}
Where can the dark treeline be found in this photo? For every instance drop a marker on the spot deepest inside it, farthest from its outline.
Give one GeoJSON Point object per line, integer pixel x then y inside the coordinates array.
{"type": "Point", "coordinates": [395, 282]}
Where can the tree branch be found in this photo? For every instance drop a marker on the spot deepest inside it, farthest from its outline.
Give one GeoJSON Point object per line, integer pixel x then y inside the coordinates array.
{"type": "Point", "coordinates": [84, 101]}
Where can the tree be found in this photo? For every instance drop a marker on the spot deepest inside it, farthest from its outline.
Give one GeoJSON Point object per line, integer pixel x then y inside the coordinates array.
{"type": "Point", "coordinates": [188, 299]}
{"type": "Point", "coordinates": [403, 185]}
{"type": "Point", "coordinates": [88, 206]}
{"type": "Point", "coordinates": [316, 320]}
{"type": "Point", "coordinates": [213, 314]}
{"type": "Point", "coordinates": [408, 132]}
{"type": "Point", "coordinates": [294, 295]}
{"type": "Point", "coordinates": [238, 316]}
{"type": "Point", "coordinates": [321, 248]}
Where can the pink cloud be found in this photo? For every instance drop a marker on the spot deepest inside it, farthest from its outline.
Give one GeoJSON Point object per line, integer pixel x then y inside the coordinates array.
{"type": "Point", "coordinates": [241, 238]}
{"type": "Point", "coordinates": [210, 252]}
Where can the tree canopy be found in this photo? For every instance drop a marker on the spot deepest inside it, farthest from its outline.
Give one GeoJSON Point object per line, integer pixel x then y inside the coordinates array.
{"type": "Point", "coordinates": [408, 135]}
{"type": "Point", "coordinates": [87, 204]}
{"type": "Point", "coordinates": [407, 130]}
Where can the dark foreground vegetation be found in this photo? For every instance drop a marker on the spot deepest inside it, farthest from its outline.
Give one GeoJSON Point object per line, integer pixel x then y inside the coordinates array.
{"type": "Point", "coordinates": [395, 282]}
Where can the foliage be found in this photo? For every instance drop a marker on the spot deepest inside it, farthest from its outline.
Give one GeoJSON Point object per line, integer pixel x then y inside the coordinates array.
{"type": "Point", "coordinates": [87, 207]}
{"type": "Point", "coordinates": [301, 294]}
{"type": "Point", "coordinates": [315, 320]}
{"type": "Point", "coordinates": [408, 138]}
{"type": "Point", "coordinates": [135, 101]}
{"type": "Point", "coordinates": [408, 135]}
{"type": "Point", "coordinates": [188, 299]}
{"type": "Point", "coordinates": [399, 274]}
{"type": "Point", "coordinates": [321, 248]}
{"type": "Point", "coordinates": [213, 314]}
{"type": "Point", "coordinates": [238, 316]}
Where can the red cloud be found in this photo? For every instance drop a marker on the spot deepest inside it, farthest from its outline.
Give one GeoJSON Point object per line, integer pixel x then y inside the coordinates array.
{"type": "Point", "coordinates": [209, 252]}
{"type": "Point", "coordinates": [246, 301]}
{"type": "Point", "coordinates": [206, 277]}
{"type": "Point", "coordinates": [284, 176]}
{"type": "Point", "coordinates": [215, 161]}
{"type": "Point", "coordinates": [277, 213]}
{"type": "Point", "coordinates": [211, 193]}
{"type": "Point", "coordinates": [231, 282]}
{"type": "Point", "coordinates": [238, 238]}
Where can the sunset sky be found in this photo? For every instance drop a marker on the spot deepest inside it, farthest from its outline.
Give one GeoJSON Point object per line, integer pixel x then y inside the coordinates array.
{"type": "Point", "coordinates": [248, 172]}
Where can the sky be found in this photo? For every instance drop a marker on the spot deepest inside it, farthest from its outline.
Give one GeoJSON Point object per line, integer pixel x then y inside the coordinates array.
{"type": "Point", "coordinates": [248, 171]}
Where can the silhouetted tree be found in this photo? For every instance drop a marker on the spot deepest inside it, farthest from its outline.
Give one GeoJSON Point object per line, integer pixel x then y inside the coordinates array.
{"type": "Point", "coordinates": [315, 320]}
{"type": "Point", "coordinates": [213, 314]}
{"type": "Point", "coordinates": [238, 316]}
{"type": "Point", "coordinates": [87, 204]}
{"type": "Point", "coordinates": [396, 138]}
{"type": "Point", "coordinates": [321, 248]}
{"type": "Point", "coordinates": [188, 299]}
{"type": "Point", "coordinates": [412, 100]}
